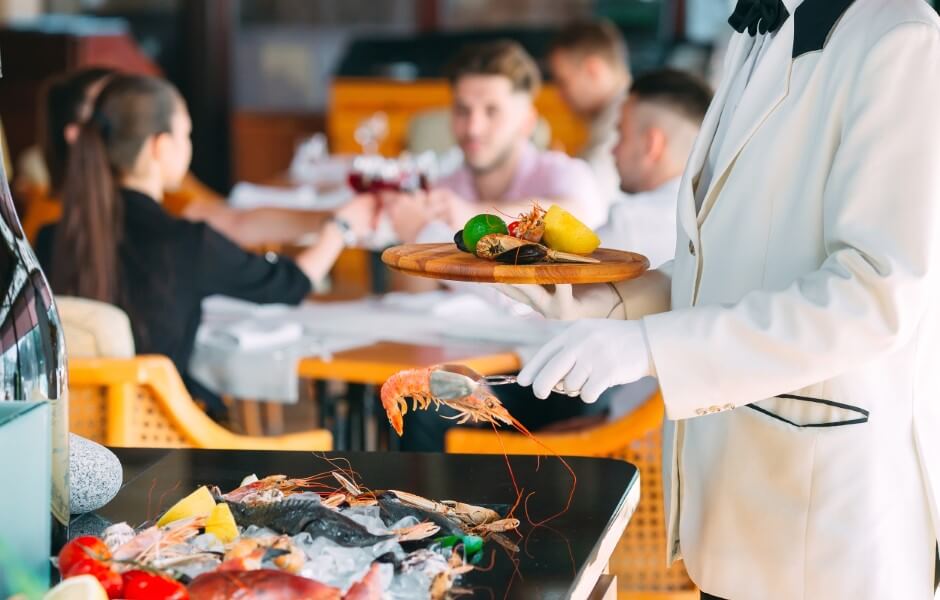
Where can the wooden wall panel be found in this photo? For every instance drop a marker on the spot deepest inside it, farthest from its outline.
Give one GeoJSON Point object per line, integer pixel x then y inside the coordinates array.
{"type": "Point", "coordinates": [354, 99]}
{"type": "Point", "coordinates": [29, 58]}
{"type": "Point", "coordinates": [263, 143]}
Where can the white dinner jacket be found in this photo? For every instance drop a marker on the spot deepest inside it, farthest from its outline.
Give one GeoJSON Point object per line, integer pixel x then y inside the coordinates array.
{"type": "Point", "coordinates": [800, 360]}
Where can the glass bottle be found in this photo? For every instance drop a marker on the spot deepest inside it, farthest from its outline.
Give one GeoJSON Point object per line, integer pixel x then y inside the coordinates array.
{"type": "Point", "coordinates": [32, 348]}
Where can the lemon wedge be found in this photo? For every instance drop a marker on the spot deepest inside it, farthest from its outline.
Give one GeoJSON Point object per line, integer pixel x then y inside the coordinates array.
{"type": "Point", "coordinates": [80, 587]}
{"type": "Point", "coordinates": [221, 523]}
{"type": "Point", "coordinates": [564, 233]}
{"type": "Point", "coordinates": [197, 504]}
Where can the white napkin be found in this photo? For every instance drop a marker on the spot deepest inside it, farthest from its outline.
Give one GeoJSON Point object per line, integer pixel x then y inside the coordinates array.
{"type": "Point", "coordinates": [256, 335]}
{"type": "Point", "coordinates": [248, 195]}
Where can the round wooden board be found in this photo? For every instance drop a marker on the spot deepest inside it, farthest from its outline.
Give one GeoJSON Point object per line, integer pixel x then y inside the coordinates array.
{"type": "Point", "coordinates": [445, 261]}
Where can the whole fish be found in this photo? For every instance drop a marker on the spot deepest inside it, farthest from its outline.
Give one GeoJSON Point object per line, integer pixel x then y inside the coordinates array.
{"type": "Point", "coordinates": [295, 515]}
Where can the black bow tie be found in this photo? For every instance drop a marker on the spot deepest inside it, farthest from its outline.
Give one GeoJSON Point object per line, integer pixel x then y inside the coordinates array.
{"type": "Point", "coordinates": [758, 15]}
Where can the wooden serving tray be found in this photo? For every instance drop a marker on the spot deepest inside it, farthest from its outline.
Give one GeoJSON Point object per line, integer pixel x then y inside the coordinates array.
{"type": "Point", "coordinates": [445, 261]}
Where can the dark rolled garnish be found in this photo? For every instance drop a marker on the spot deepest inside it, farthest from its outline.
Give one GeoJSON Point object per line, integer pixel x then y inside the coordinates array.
{"type": "Point", "coordinates": [523, 255]}
{"type": "Point", "coordinates": [514, 251]}
{"type": "Point", "coordinates": [458, 239]}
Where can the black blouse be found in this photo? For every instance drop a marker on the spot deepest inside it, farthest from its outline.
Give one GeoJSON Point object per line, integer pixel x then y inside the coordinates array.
{"type": "Point", "coordinates": [170, 265]}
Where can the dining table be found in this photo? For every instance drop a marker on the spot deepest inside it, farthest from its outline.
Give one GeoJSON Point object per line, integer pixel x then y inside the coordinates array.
{"type": "Point", "coordinates": [271, 356]}
{"type": "Point", "coordinates": [564, 557]}
{"type": "Point", "coordinates": [355, 418]}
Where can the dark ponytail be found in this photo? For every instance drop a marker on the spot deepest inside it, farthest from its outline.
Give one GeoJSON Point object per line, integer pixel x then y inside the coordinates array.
{"type": "Point", "coordinates": [126, 113]}
{"type": "Point", "coordinates": [67, 100]}
{"type": "Point", "coordinates": [91, 228]}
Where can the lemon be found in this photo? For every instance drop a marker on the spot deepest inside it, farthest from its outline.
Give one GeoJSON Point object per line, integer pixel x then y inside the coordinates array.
{"type": "Point", "coordinates": [197, 504]}
{"type": "Point", "coordinates": [564, 233]}
{"type": "Point", "coordinates": [479, 226]}
{"type": "Point", "coordinates": [80, 587]}
{"type": "Point", "coordinates": [221, 523]}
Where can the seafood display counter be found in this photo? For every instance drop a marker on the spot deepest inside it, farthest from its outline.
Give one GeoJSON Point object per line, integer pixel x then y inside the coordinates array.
{"type": "Point", "coordinates": [566, 557]}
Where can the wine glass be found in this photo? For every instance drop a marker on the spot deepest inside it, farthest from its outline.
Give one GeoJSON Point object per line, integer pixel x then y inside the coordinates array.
{"type": "Point", "coordinates": [371, 131]}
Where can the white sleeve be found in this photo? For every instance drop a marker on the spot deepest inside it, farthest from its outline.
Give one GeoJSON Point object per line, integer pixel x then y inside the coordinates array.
{"type": "Point", "coordinates": [647, 295]}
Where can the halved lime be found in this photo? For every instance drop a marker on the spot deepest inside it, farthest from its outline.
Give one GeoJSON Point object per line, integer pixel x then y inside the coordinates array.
{"type": "Point", "coordinates": [479, 226]}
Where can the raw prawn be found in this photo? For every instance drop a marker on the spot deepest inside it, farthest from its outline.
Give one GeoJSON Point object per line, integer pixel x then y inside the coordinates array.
{"type": "Point", "coordinates": [530, 226]}
{"type": "Point", "coordinates": [248, 554]}
{"type": "Point", "coordinates": [481, 406]}
{"type": "Point", "coordinates": [271, 488]}
{"type": "Point", "coordinates": [473, 518]}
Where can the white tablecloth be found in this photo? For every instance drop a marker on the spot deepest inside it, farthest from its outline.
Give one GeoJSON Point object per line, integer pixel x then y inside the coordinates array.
{"type": "Point", "coordinates": [251, 351]}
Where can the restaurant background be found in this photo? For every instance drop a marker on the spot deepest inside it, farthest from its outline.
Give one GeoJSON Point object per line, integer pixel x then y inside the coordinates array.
{"type": "Point", "coordinates": [259, 74]}
{"type": "Point", "coordinates": [266, 79]}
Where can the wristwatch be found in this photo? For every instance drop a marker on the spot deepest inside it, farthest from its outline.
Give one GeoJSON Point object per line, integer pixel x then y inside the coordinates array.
{"type": "Point", "coordinates": [346, 230]}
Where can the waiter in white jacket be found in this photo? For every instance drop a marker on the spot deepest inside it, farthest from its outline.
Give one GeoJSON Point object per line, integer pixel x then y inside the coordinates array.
{"type": "Point", "coordinates": [796, 334]}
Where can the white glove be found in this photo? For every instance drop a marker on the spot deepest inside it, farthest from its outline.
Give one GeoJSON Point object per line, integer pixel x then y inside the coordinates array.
{"type": "Point", "coordinates": [591, 356]}
{"type": "Point", "coordinates": [593, 301]}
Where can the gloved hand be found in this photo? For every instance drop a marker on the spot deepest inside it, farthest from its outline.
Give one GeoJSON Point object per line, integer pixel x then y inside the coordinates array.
{"type": "Point", "coordinates": [590, 355]}
{"type": "Point", "coordinates": [592, 301]}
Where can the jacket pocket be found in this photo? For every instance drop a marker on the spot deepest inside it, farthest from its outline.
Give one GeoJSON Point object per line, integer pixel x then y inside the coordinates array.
{"type": "Point", "coordinates": [807, 411]}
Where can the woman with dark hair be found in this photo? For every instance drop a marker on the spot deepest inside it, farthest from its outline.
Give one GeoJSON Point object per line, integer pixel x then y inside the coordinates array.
{"type": "Point", "coordinates": [116, 244]}
{"type": "Point", "coordinates": [67, 103]}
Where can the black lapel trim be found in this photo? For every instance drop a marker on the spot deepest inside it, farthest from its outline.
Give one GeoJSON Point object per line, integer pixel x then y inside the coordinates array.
{"type": "Point", "coordinates": [813, 21]}
{"type": "Point", "coordinates": [855, 409]}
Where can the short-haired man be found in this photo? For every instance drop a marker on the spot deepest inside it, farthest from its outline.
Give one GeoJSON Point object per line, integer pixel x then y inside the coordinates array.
{"type": "Point", "coordinates": [493, 118]}
{"type": "Point", "coordinates": [590, 66]}
{"type": "Point", "coordinates": [659, 121]}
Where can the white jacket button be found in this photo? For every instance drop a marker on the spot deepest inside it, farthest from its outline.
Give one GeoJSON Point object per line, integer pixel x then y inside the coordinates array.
{"type": "Point", "coordinates": [691, 248]}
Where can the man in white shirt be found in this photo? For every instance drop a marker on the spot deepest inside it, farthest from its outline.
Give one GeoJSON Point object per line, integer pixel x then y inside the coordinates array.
{"type": "Point", "coordinates": [659, 121]}
{"type": "Point", "coordinates": [591, 69]}
{"type": "Point", "coordinates": [795, 334]}
{"type": "Point", "coordinates": [493, 116]}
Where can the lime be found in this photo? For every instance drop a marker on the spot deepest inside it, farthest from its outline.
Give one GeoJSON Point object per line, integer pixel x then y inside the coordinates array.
{"type": "Point", "coordinates": [479, 226]}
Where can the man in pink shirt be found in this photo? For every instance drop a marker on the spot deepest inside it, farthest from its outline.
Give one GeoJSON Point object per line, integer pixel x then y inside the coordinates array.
{"type": "Point", "coordinates": [493, 117]}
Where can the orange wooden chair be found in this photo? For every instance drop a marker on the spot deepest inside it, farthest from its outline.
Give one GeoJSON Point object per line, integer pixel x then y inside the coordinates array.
{"type": "Point", "coordinates": [142, 402]}
{"type": "Point", "coordinates": [40, 209]}
{"type": "Point", "coordinates": [639, 559]}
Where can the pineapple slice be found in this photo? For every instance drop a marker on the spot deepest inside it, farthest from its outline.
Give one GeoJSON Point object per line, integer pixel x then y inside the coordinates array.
{"type": "Point", "coordinates": [564, 233]}
{"type": "Point", "coordinates": [221, 524]}
{"type": "Point", "coordinates": [197, 504]}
